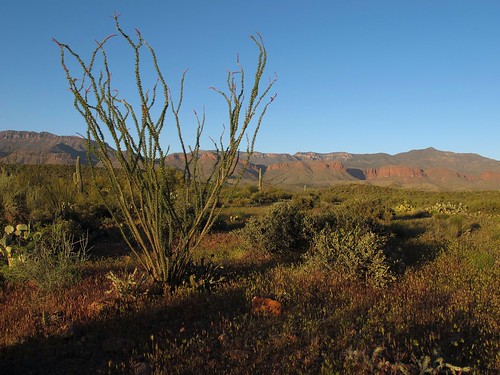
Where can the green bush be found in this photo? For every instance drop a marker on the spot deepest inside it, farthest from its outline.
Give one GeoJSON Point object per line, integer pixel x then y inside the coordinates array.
{"type": "Point", "coordinates": [12, 199]}
{"type": "Point", "coordinates": [306, 200]}
{"type": "Point", "coordinates": [280, 229]}
{"type": "Point", "coordinates": [269, 196]}
{"type": "Point", "coordinates": [355, 251]}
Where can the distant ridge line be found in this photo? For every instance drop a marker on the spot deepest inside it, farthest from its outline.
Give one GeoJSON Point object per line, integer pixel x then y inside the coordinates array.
{"type": "Point", "coordinates": [427, 168]}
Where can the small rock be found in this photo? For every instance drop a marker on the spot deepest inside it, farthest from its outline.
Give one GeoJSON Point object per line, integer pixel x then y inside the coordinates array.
{"type": "Point", "coordinates": [266, 306]}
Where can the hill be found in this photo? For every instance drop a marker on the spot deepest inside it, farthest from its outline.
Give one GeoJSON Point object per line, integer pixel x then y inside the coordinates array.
{"type": "Point", "coordinates": [422, 169]}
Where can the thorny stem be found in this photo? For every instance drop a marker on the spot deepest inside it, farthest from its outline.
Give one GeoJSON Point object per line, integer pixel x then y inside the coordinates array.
{"type": "Point", "coordinates": [162, 216]}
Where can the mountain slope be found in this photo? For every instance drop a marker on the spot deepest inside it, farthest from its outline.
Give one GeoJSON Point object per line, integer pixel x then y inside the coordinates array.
{"type": "Point", "coordinates": [423, 169]}
{"type": "Point", "coordinates": [306, 172]}
{"type": "Point", "coordinates": [427, 158]}
{"type": "Point", "coordinates": [24, 147]}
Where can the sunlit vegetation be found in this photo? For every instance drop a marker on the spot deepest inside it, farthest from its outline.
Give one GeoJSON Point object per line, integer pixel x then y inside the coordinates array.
{"type": "Point", "coordinates": [369, 280]}
{"type": "Point", "coordinates": [162, 216]}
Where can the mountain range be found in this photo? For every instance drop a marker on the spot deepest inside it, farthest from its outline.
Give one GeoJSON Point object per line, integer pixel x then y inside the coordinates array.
{"type": "Point", "coordinates": [427, 169]}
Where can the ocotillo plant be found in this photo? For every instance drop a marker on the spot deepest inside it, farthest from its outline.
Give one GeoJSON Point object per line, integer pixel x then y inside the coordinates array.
{"type": "Point", "coordinates": [77, 176]}
{"type": "Point", "coordinates": [164, 218]}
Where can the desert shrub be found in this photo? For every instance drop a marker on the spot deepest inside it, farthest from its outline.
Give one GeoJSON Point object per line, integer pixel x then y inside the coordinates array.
{"type": "Point", "coordinates": [127, 287]}
{"type": "Point", "coordinates": [372, 214]}
{"type": "Point", "coordinates": [350, 214]}
{"type": "Point", "coordinates": [447, 227]}
{"type": "Point", "coordinates": [165, 215]}
{"type": "Point", "coordinates": [329, 196]}
{"type": "Point", "coordinates": [9, 206]}
{"type": "Point", "coordinates": [356, 251]}
{"type": "Point", "coordinates": [268, 196]}
{"type": "Point", "coordinates": [60, 199]}
{"type": "Point", "coordinates": [447, 208]}
{"type": "Point", "coordinates": [35, 198]}
{"type": "Point", "coordinates": [12, 198]}
{"type": "Point", "coordinates": [376, 209]}
{"type": "Point", "coordinates": [279, 230]}
{"type": "Point", "coordinates": [52, 260]}
{"type": "Point", "coordinates": [361, 362]}
{"type": "Point", "coordinates": [306, 200]}
{"type": "Point", "coordinates": [239, 192]}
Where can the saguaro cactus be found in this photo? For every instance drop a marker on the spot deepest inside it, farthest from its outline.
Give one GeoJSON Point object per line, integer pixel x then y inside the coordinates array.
{"type": "Point", "coordinates": [260, 179]}
{"type": "Point", "coordinates": [77, 176]}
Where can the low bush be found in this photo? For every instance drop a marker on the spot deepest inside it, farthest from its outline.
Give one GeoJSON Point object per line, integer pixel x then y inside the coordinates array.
{"type": "Point", "coordinates": [306, 200]}
{"type": "Point", "coordinates": [355, 251]}
{"type": "Point", "coordinates": [279, 230]}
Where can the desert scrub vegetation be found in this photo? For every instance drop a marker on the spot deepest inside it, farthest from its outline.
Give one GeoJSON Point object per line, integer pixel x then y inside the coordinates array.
{"type": "Point", "coordinates": [354, 251]}
{"type": "Point", "coordinates": [50, 258]}
{"type": "Point", "coordinates": [363, 291]}
{"type": "Point", "coordinates": [363, 279]}
{"type": "Point", "coordinates": [280, 229]}
{"type": "Point", "coordinates": [251, 196]}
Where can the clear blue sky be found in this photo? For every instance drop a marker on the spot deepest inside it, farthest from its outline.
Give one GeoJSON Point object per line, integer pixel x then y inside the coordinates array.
{"type": "Point", "coordinates": [355, 76]}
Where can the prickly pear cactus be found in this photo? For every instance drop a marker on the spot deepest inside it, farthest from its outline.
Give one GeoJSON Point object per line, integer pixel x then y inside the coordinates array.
{"type": "Point", "coordinates": [19, 234]}
{"type": "Point", "coordinates": [5, 244]}
{"type": "Point", "coordinates": [6, 251]}
{"type": "Point", "coordinates": [22, 231]}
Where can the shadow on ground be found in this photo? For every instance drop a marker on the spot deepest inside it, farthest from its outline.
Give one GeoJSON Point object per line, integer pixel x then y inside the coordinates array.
{"type": "Point", "coordinates": [121, 334]}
